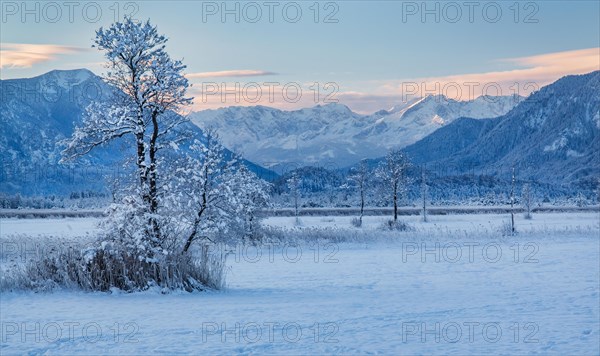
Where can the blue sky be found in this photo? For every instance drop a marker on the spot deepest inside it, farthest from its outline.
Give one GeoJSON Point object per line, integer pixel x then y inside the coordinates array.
{"type": "Point", "coordinates": [368, 50]}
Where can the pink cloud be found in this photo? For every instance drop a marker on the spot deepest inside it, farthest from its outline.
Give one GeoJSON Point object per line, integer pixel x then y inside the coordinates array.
{"type": "Point", "coordinates": [530, 74]}
{"type": "Point", "coordinates": [536, 72]}
{"type": "Point", "coordinates": [23, 55]}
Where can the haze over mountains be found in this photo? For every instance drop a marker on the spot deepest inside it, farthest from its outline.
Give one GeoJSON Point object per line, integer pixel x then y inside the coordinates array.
{"type": "Point", "coordinates": [553, 135]}
{"type": "Point", "coordinates": [333, 134]}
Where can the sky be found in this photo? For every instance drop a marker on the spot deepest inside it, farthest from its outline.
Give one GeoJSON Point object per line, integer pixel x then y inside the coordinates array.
{"type": "Point", "coordinates": [369, 55]}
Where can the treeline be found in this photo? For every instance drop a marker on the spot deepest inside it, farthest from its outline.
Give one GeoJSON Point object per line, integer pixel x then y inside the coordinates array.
{"type": "Point", "coordinates": [320, 187]}
{"type": "Point", "coordinates": [79, 199]}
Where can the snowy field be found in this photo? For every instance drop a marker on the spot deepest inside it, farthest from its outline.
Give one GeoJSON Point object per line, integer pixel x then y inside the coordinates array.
{"type": "Point", "coordinates": [453, 285]}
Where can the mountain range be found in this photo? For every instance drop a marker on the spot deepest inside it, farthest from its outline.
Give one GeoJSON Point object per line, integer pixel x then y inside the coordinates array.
{"type": "Point", "coordinates": [335, 135]}
{"type": "Point", "coordinates": [37, 113]}
{"type": "Point", "coordinates": [552, 136]}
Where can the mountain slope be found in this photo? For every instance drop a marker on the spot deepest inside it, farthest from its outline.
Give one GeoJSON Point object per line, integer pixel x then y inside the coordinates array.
{"type": "Point", "coordinates": [333, 134]}
{"type": "Point", "coordinates": [449, 140]}
{"type": "Point", "coordinates": [37, 113]}
{"type": "Point", "coordinates": [552, 136]}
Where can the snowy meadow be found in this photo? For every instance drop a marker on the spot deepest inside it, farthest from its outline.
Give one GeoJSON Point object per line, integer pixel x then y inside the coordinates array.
{"type": "Point", "coordinates": [299, 178]}
{"type": "Point", "coordinates": [452, 285]}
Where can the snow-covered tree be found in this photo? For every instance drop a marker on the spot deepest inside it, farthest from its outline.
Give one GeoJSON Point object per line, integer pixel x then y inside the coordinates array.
{"type": "Point", "coordinates": [216, 193]}
{"type": "Point", "coordinates": [392, 172]}
{"type": "Point", "coordinates": [149, 89]}
{"type": "Point", "coordinates": [252, 194]}
{"type": "Point", "coordinates": [185, 192]}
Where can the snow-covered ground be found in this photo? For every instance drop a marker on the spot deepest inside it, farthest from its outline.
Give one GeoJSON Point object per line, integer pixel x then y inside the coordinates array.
{"type": "Point", "coordinates": [472, 291]}
{"type": "Point", "coordinates": [67, 227]}
{"type": "Point", "coordinates": [551, 222]}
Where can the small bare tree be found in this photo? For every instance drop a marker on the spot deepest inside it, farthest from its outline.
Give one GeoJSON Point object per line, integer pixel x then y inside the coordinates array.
{"type": "Point", "coordinates": [512, 203]}
{"type": "Point", "coordinates": [424, 192]}
{"type": "Point", "coordinates": [392, 172]}
{"type": "Point", "coordinates": [581, 199]}
{"type": "Point", "coordinates": [293, 184]}
{"type": "Point", "coordinates": [526, 200]}
{"type": "Point", "coordinates": [360, 177]}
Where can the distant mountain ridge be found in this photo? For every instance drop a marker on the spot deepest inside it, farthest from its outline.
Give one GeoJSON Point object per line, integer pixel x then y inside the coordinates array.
{"type": "Point", "coordinates": [334, 134]}
{"type": "Point", "coordinates": [553, 136]}
{"type": "Point", "coordinates": [37, 113]}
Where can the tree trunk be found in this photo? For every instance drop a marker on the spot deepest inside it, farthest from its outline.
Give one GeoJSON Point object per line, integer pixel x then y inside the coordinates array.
{"type": "Point", "coordinates": [139, 134]}
{"type": "Point", "coordinates": [141, 157]}
{"type": "Point", "coordinates": [152, 190]}
{"type": "Point", "coordinates": [296, 204]}
{"type": "Point", "coordinates": [198, 219]}
{"type": "Point", "coordinates": [362, 203]}
{"type": "Point", "coordinates": [424, 209]}
{"type": "Point", "coordinates": [424, 193]}
{"type": "Point", "coordinates": [395, 202]}
{"type": "Point", "coordinates": [190, 238]}
{"type": "Point", "coordinates": [512, 202]}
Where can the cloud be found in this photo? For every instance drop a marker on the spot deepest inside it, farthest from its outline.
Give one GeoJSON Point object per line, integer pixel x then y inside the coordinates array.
{"type": "Point", "coordinates": [230, 74]}
{"type": "Point", "coordinates": [23, 55]}
{"type": "Point", "coordinates": [580, 61]}
{"type": "Point", "coordinates": [525, 75]}
{"type": "Point", "coordinates": [535, 72]}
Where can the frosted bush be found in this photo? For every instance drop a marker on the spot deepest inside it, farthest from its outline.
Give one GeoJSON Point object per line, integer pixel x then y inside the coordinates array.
{"type": "Point", "coordinates": [356, 222]}
{"type": "Point", "coordinates": [106, 269]}
{"type": "Point", "coordinates": [396, 225]}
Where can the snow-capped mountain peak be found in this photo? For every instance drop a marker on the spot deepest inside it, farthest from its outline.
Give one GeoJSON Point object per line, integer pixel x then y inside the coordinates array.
{"type": "Point", "coordinates": [551, 136]}
{"type": "Point", "coordinates": [65, 79]}
{"type": "Point", "coordinates": [332, 132]}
